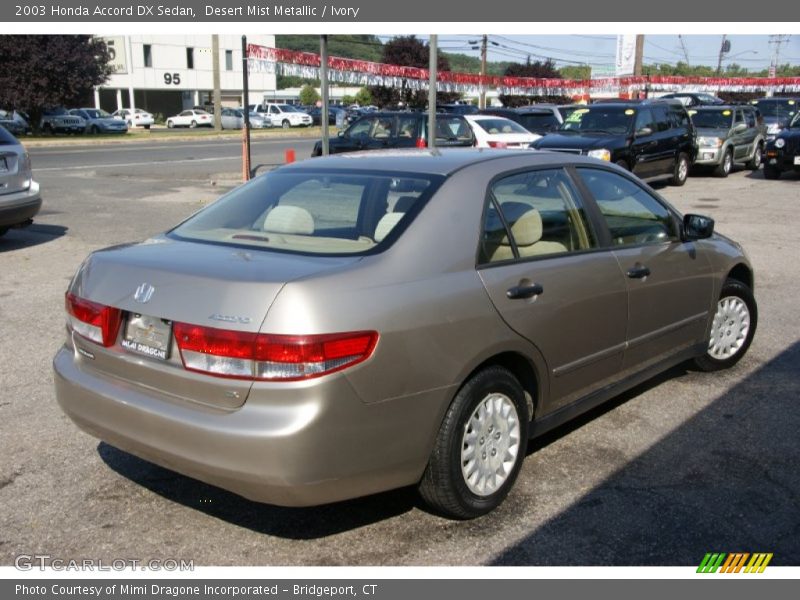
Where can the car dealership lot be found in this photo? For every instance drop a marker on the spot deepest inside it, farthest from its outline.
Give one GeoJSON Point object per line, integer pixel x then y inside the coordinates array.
{"type": "Point", "coordinates": [686, 464]}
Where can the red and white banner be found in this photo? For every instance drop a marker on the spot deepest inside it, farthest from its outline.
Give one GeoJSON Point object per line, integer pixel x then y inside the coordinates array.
{"type": "Point", "coordinates": [361, 72]}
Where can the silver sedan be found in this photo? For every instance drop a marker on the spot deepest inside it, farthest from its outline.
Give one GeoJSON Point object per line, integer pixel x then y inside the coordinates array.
{"type": "Point", "coordinates": [353, 324]}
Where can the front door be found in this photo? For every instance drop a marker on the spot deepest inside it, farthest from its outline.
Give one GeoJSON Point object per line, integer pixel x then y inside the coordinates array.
{"type": "Point", "coordinates": [669, 281]}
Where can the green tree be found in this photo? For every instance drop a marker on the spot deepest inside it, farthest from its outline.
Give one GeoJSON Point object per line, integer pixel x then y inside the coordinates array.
{"type": "Point", "coordinates": [44, 71]}
{"type": "Point", "coordinates": [576, 72]}
{"type": "Point", "coordinates": [308, 95]}
{"type": "Point", "coordinates": [363, 97]}
{"type": "Point", "coordinates": [410, 52]}
{"type": "Point", "coordinates": [545, 69]}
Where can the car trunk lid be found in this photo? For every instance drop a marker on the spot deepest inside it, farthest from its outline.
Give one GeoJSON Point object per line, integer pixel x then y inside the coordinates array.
{"type": "Point", "coordinates": [161, 282]}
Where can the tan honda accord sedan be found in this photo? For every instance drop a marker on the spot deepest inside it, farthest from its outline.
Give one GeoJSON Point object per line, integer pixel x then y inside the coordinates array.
{"type": "Point", "coordinates": [347, 325]}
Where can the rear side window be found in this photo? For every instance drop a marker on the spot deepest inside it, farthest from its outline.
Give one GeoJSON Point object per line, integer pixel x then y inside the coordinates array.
{"type": "Point", "coordinates": [662, 119]}
{"type": "Point", "coordinates": [452, 129]}
{"type": "Point", "coordinates": [313, 212]}
{"type": "Point", "coordinates": [531, 214]}
{"type": "Point", "coordinates": [680, 118]}
{"type": "Point", "coordinates": [633, 215]}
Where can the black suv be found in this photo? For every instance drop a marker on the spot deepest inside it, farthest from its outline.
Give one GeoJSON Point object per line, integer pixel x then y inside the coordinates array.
{"type": "Point", "coordinates": [379, 130]}
{"type": "Point", "coordinates": [783, 152]}
{"type": "Point", "coordinates": [653, 138]}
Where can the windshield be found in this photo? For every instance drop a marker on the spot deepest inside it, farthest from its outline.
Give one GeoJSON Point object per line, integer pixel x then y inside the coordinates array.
{"type": "Point", "coordinates": [607, 119]}
{"type": "Point", "coordinates": [499, 125]}
{"type": "Point", "coordinates": [712, 119]}
{"type": "Point", "coordinates": [287, 108]}
{"type": "Point", "coordinates": [313, 212]}
{"type": "Point", "coordinates": [96, 113]}
{"type": "Point", "coordinates": [778, 108]}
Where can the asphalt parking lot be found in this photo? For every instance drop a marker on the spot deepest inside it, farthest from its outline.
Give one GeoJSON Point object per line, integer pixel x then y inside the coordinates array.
{"type": "Point", "coordinates": [685, 464]}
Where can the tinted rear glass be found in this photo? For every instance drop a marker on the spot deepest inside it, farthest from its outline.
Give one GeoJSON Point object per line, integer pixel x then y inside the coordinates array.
{"type": "Point", "coordinates": [539, 122]}
{"type": "Point", "coordinates": [310, 212]}
{"type": "Point", "coordinates": [6, 138]}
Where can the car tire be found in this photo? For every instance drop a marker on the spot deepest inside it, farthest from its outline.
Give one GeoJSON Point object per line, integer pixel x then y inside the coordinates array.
{"type": "Point", "coordinates": [94, 130]}
{"type": "Point", "coordinates": [193, 125]}
{"type": "Point", "coordinates": [286, 124]}
{"type": "Point", "coordinates": [725, 166]}
{"type": "Point", "coordinates": [732, 328]}
{"type": "Point", "coordinates": [771, 172]}
{"type": "Point", "coordinates": [758, 154]}
{"type": "Point", "coordinates": [147, 126]}
{"type": "Point", "coordinates": [680, 171]}
{"type": "Point", "coordinates": [624, 164]}
{"type": "Point", "coordinates": [488, 419]}
{"type": "Point", "coordinates": [170, 124]}
{"type": "Point", "coordinates": [47, 129]}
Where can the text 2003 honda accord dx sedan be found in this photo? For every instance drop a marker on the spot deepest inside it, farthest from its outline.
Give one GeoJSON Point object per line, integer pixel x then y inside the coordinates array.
{"type": "Point", "coordinates": [347, 325]}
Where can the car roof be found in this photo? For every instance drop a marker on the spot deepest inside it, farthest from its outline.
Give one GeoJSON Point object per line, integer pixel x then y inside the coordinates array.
{"type": "Point", "coordinates": [444, 161]}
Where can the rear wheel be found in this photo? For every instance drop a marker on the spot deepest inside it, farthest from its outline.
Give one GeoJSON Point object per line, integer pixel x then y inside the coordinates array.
{"type": "Point", "coordinates": [94, 130]}
{"type": "Point", "coordinates": [681, 171]}
{"type": "Point", "coordinates": [285, 124]}
{"type": "Point", "coordinates": [170, 124]}
{"type": "Point", "coordinates": [754, 163]}
{"type": "Point", "coordinates": [3, 231]}
{"type": "Point", "coordinates": [725, 166]}
{"type": "Point", "coordinates": [193, 124]}
{"type": "Point", "coordinates": [732, 329]}
{"type": "Point", "coordinates": [771, 172]}
{"type": "Point", "coordinates": [480, 446]}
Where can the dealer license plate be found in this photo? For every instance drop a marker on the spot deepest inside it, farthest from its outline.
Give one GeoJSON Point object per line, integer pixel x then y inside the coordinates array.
{"type": "Point", "coordinates": [147, 335]}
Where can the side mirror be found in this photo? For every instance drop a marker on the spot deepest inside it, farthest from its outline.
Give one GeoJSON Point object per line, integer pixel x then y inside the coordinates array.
{"type": "Point", "coordinates": [340, 134]}
{"type": "Point", "coordinates": [697, 227]}
{"type": "Point", "coordinates": [643, 132]}
{"type": "Point", "coordinates": [739, 127]}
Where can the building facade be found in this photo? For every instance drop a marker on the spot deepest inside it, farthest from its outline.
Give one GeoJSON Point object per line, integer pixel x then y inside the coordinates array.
{"type": "Point", "coordinates": [165, 74]}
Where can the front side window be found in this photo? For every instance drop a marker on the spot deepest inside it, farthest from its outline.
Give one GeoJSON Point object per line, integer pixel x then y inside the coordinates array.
{"type": "Point", "coordinates": [531, 214]}
{"type": "Point", "coordinates": [359, 128]}
{"type": "Point", "coordinates": [311, 212]}
{"type": "Point", "coordinates": [633, 215]}
{"type": "Point", "coordinates": [644, 119]}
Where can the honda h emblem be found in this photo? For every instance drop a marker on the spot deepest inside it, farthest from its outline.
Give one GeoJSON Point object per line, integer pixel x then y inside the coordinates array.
{"type": "Point", "coordinates": [143, 293]}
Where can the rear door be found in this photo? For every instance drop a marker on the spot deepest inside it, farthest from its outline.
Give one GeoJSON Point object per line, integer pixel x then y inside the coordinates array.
{"type": "Point", "coordinates": [645, 145]}
{"type": "Point", "coordinates": [545, 273]}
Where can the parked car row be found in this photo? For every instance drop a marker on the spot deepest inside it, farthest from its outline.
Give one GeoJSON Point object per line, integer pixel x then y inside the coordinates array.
{"type": "Point", "coordinates": [655, 139]}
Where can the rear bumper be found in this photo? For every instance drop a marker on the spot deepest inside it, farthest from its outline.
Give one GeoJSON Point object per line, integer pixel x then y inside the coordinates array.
{"type": "Point", "coordinates": [297, 445]}
{"type": "Point", "coordinates": [18, 207]}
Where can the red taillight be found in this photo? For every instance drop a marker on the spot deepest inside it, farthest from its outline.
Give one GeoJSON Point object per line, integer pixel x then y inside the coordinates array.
{"type": "Point", "coordinates": [421, 143]}
{"type": "Point", "coordinates": [269, 357]}
{"type": "Point", "coordinates": [95, 322]}
{"type": "Point", "coordinates": [498, 145]}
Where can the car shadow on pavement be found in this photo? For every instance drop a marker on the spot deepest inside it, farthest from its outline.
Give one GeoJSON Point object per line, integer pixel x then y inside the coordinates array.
{"type": "Point", "coordinates": [726, 480]}
{"type": "Point", "coordinates": [16, 239]}
{"type": "Point", "coordinates": [792, 176]}
{"type": "Point", "coordinates": [291, 523]}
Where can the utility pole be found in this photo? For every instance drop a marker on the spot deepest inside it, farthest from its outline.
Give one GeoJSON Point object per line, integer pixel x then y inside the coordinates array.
{"type": "Point", "coordinates": [246, 172]}
{"type": "Point", "coordinates": [724, 48]}
{"type": "Point", "coordinates": [484, 43]}
{"type": "Point", "coordinates": [639, 56]}
{"type": "Point", "coordinates": [323, 84]}
{"type": "Point", "coordinates": [777, 41]}
{"type": "Point", "coordinates": [432, 67]}
{"type": "Point", "coordinates": [217, 92]}
{"type": "Point", "coordinates": [685, 51]}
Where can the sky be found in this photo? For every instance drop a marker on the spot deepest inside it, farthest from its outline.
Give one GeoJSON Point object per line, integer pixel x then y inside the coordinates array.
{"type": "Point", "coordinates": [753, 52]}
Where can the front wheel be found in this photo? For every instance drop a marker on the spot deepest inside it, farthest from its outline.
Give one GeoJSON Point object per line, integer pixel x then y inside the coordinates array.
{"type": "Point", "coordinates": [732, 328]}
{"type": "Point", "coordinates": [480, 446]}
{"type": "Point", "coordinates": [170, 124]}
{"type": "Point", "coordinates": [754, 163]}
{"type": "Point", "coordinates": [724, 168]}
{"type": "Point", "coordinates": [193, 124]}
{"type": "Point", "coordinates": [285, 124]}
{"type": "Point", "coordinates": [681, 171]}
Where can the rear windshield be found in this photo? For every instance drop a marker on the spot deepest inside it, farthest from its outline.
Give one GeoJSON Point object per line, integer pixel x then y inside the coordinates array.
{"type": "Point", "coordinates": [712, 119]}
{"type": "Point", "coordinates": [539, 122]}
{"type": "Point", "coordinates": [605, 119]}
{"type": "Point", "coordinates": [499, 125]}
{"type": "Point", "coordinates": [313, 212]}
{"type": "Point", "coordinates": [6, 138]}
